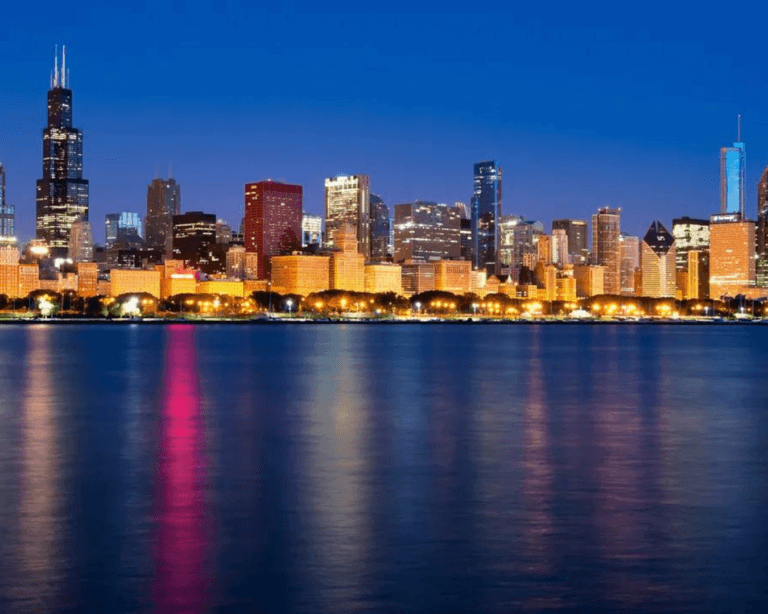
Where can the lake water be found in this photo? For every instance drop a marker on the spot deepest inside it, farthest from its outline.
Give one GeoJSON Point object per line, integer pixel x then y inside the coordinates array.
{"type": "Point", "coordinates": [398, 468]}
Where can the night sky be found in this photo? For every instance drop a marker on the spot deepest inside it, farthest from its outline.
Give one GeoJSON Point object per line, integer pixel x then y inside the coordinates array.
{"type": "Point", "coordinates": [583, 106]}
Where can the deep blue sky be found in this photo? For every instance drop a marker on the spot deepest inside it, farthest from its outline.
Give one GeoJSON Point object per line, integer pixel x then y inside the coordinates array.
{"type": "Point", "coordinates": [583, 105]}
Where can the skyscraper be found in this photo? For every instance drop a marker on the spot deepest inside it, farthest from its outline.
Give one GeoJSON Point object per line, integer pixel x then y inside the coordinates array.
{"type": "Point", "coordinates": [486, 213]}
{"type": "Point", "coordinates": [311, 230]}
{"type": "Point", "coordinates": [731, 255]}
{"type": "Point", "coordinates": [379, 229]}
{"type": "Point", "coordinates": [347, 199]}
{"type": "Point", "coordinates": [194, 242]}
{"type": "Point", "coordinates": [630, 261]}
{"type": "Point", "coordinates": [7, 217]}
{"type": "Point", "coordinates": [732, 173]}
{"type": "Point", "coordinates": [62, 193]}
{"type": "Point", "coordinates": [81, 241]}
{"type": "Point", "coordinates": [606, 249]}
{"type": "Point", "coordinates": [426, 231]}
{"type": "Point", "coordinates": [272, 221]}
{"type": "Point", "coordinates": [762, 215]}
{"type": "Point", "coordinates": [578, 241]}
{"type": "Point", "coordinates": [658, 262]}
{"type": "Point", "coordinates": [124, 227]}
{"type": "Point", "coordinates": [163, 202]}
{"type": "Point", "coordinates": [690, 234]}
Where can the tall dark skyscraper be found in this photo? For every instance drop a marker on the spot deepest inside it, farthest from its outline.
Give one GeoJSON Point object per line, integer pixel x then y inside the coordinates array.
{"type": "Point", "coordinates": [163, 202]}
{"type": "Point", "coordinates": [380, 227]}
{"type": "Point", "coordinates": [486, 212]}
{"type": "Point", "coordinates": [62, 193]}
{"type": "Point", "coordinates": [7, 217]}
{"type": "Point", "coordinates": [762, 214]}
{"type": "Point", "coordinates": [578, 242]}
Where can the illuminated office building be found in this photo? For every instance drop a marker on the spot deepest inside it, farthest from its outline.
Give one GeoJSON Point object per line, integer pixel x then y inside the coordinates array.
{"type": "Point", "coordinates": [486, 214]}
{"type": "Point", "coordinates": [606, 249]}
{"type": "Point", "coordinates": [163, 202]}
{"type": "Point", "coordinates": [560, 254]}
{"type": "Point", "coordinates": [383, 277]}
{"type": "Point", "coordinates": [273, 216]}
{"type": "Point", "coordinates": [762, 215]}
{"type": "Point", "coordinates": [732, 176]}
{"type": "Point", "coordinates": [125, 227]}
{"type": "Point", "coordinates": [300, 274]}
{"type": "Point", "coordinates": [578, 238]}
{"type": "Point", "coordinates": [690, 234]}
{"type": "Point", "coordinates": [7, 215]}
{"type": "Point", "coordinates": [657, 257]}
{"type": "Point", "coordinates": [427, 231]}
{"type": "Point", "coordinates": [311, 230]}
{"type": "Point", "coordinates": [630, 262]}
{"type": "Point", "coordinates": [62, 193]}
{"type": "Point", "coordinates": [347, 200]}
{"type": "Point", "coordinates": [379, 229]}
{"type": "Point", "coordinates": [347, 270]}
{"type": "Point", "coordinates": [731, 255]}
{"type": "Point", "coordinates": [81, 241]}
{"type": "Point", "coordinates": [194, 242]}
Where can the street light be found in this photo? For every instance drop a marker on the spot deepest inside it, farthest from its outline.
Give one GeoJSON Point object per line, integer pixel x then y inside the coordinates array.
{"type": "Point", "coordinates": [289, 302]}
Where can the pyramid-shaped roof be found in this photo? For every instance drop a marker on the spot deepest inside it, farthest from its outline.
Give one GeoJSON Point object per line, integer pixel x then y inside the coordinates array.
{"type": "Point", "coordinates": [658, 239]}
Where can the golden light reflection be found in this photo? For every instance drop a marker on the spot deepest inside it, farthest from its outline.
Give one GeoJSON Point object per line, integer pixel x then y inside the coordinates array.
{"type": "Point", "coordinates": [37, 506]}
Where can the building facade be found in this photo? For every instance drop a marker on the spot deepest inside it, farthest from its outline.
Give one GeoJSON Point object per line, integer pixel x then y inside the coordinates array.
{"type": "Point", "coordinates": [732, 177]}
{"type": "Point", "coordinates": [347, 270]}
{"type": "Point", "coordinates": [273, 216]}
{"type": "Point", "coordinates": [311, 230]}
{"type": "Point", "coordinates": [379, 230]}
{"type": "Point", "coordinates": [606, 248]}
{"type": "Point", "coordinates": [731, 255]}
{"type": "Point", "coordinates": [7, 214]}
{"type": "Point", "coordinates": [658, 259]}
{"type": "Point", "coordinates": [578, 238]}
{"type": "Point", "coordinates": [383, 277]}
{"type": "Point", "coordinates": [427, 231]}
{"type": "Point", "coordinates": [347, 200]}
{"type": "Point", "coordinates": [194, 242]}
{"type": "Point", "coordinates": [300, 274]}
{"type": "Point", "coordinates": [163, 202]}
{"type": "Point", "coordinates": [630, 262]}
{"type": "Point", "coordinates": [486, 214]}
{"type": "Point", "coordinates": [81, 241]}
{"type": "Point", "coordinates": [62, 193]}
{"type": "Point", "coordinates": [762, 215]}
{"type": "Point", "coordinates": [125, 227]}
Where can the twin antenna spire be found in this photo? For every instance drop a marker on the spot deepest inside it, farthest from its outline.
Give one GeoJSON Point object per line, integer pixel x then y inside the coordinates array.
{"type": "Point", "coordinates": [60, 78]}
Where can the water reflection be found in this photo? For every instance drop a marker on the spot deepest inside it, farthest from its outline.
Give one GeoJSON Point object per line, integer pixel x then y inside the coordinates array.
{"type": "Point", "coordinates": [40, 465]}
{"type": "Point", "coordinates": [180, 576]}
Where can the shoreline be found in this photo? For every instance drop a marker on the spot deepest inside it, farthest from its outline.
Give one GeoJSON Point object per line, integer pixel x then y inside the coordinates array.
{"type": "Point", "coordinates": [367, 321]}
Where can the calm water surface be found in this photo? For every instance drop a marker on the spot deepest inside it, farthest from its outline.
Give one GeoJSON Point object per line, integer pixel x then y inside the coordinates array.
{"type": "Point", "coordinates": [441, 468]}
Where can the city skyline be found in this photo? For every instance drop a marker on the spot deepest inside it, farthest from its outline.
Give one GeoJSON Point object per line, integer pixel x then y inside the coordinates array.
{"type": "Point", "coordinates": [554, 158]}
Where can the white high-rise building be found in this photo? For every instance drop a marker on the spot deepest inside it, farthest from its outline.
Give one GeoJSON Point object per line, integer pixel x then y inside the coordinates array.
{"type": "Point", "coordinates": [348, 200]}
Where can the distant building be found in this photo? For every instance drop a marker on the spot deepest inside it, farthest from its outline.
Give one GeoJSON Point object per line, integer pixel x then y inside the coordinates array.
{"type": "Point", "coordinates": [163, 202]}
{"type": "Point", "coordinates": [453, 276]}
{"type": "Point", "coordinates": [658, 256]}
{"type": "Point", "coordinates": [194, 242]}
{"type": "Point", "coordinates": [418, 277]}
{"type": "Point", "coordinates": [578, 238]}
{"type": "Point", "coordinates": [124, 227]}
{"type": "Point", "coordinates": [379, 229]}
{"type": "Point", "coordinates": [81, 241]}
{"type": "Point", "coordinates": [427, 231]}
{"type": "Point", "coordinates": [347, 270]}
{"type": "Point", "coordinates": [300, 274]}
{"type": "Point", "coordinates": [62, 193]}
{"type": "Point", "coordinates": [223, 232]}
{"type": "Point", "coordinates": [311, 230]}
{"type": "Point", "coordinates": [732, 255]}
{"type": "Point", "coordinates": [732, 177]}
{"type": "Point", "coordinates": [347, 200]}
{"type": "Point", "coordinates": [560, 254]}
{"type": "Point", "coordinates": [762, 215]}
{"type": "Point", "coordinates": [241, 264]}
{"type": "Point", "coordinates": [486, 213]}
{"type": "Point", "coordinates": [383, 277]}
{"type": "Point", "coordinates": [128, 281]}
{"type": "Point", "coordinates": [630, 262]}
{"type": "Point", "coordinates": [7, 215]}
{"type": "Point", "coordinates": [690, 234]}
{"type": "Point", "coordinates": [606, 249]}
{"type": "Point", "coordinates": [87, 278]}
{"type": "Point", "coordinates": [273, 217]}
{"type": "Point", "coordinates": [590, 280]}
{"type": "Point", "coordinates": [697, 275]}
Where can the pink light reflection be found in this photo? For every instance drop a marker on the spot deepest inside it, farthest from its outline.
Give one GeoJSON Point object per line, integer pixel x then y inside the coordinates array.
{"type": "Point", "coordinates": [180, 582]}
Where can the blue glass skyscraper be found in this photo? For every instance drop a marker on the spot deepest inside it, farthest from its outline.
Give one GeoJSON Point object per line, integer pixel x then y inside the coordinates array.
{"type": "Point", "coordinates": [732, 176]}
{"type": "Point", "coordinates": [486, 212]}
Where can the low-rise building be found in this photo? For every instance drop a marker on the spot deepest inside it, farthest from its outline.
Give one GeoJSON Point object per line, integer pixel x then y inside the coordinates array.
{"type": "Point", "coordinates": [125, 281]}
{"type": "Point", "coordinates": [453, 276]}
{"type": "Point", "coordinates": [590, 280]}
{"type": "Point", "coordinates": [418, 277]}
{"type": "Point", "coordinates": [29, 279]}
{"type": "Point", "coordinates": [226, 287]}
{"type": "Point", "coordinates": [87, 278]}
{"type": "Point", "coordinates": [383, 277]}
{"type": "Point", "coordinates": [300, 274]}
